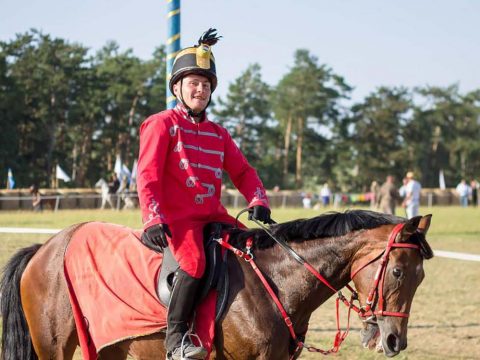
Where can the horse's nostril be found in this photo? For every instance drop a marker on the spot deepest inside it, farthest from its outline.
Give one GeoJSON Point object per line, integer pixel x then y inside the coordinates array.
{"type": "Point", "coordinates": [393, 343]}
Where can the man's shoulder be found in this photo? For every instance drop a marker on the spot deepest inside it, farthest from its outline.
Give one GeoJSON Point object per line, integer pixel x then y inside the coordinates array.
{"type": "Point", "coordinates": [162, 115]}
{"type": "Point", "coordinates": [216, 128]}
{"type": "Point", "coordinates": [159, 119]}
{"type": "Point", "coordinates": [215, 125]}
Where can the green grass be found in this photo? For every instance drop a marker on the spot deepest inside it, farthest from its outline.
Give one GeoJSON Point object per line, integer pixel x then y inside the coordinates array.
{"type": "Point", "coordinates": [445, 318]}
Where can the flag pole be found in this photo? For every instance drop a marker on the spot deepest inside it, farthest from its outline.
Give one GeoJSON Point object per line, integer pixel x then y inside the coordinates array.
{"type": "Point", "coordinates": [173, 44]}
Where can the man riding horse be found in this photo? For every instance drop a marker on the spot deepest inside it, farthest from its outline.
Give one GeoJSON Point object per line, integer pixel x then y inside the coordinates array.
{"type": "Point", "coordinates": [181, 160]}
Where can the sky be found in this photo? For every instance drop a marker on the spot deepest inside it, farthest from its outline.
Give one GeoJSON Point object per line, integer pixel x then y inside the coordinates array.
{"type": "Point", "coordinates": [370, 43]}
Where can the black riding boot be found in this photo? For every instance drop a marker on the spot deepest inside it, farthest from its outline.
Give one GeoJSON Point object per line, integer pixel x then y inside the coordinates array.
{"type": "Point", "coordinates": [180, 311]}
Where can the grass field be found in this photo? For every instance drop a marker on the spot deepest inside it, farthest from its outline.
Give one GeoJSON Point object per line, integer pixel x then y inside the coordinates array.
{"type": "Point", "coordinates": [445, 318]}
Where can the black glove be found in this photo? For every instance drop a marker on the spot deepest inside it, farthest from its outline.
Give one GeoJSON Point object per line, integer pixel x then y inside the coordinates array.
{"type": "Point", "coordinates": [260, 213]}
{"type": "Point", "coordinates": [154, 237]}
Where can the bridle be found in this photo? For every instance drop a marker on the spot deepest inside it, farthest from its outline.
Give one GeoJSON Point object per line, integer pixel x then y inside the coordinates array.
{"type": "Point", "coordinates": [367, 312]}
{"type": "Point", "coordinates": [376, 292]}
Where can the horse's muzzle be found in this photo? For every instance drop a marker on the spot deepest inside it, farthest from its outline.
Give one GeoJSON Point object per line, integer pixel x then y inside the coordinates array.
{"type": "Point", "coordinates": [393, 344]}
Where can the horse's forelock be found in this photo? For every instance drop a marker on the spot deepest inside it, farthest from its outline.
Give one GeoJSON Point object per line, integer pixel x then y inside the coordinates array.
{"type": "Point", "coordinates": [425, 249]}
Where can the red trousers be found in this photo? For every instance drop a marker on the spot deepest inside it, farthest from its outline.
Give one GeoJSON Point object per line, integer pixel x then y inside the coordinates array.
{"type": "Point", "coordinates": [187, 240]}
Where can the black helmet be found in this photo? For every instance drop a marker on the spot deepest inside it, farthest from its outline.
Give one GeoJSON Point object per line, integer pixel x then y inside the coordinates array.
{"type": "Point", "coordinates": [197, 59]}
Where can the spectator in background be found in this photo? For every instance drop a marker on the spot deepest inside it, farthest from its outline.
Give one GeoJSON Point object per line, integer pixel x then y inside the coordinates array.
{"type": "Point", "coordinates": [325, 195]}
{"type": "Point", "coordinates": [411, 203]}
{"type": "Point", "coordinates": [307, 201]}
{"type": "Point", "coordinates": [388, 196]}
{"type": "Point", "coordinates": [113, 184]}
{"type": "Point", "coordinates": [374, 189]}
{"type": "Point", "coordinates": [36, 198]}
{"type": "Point", "coordinates": [474, 192]}
{"type": "Point", "coordinates": [463, 191]}
{"type": "Point", "coordinates": [403, 189]}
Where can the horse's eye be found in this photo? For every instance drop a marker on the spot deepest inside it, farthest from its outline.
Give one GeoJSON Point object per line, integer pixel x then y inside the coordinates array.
{"type": "Point", "coordinates": [397, 272]}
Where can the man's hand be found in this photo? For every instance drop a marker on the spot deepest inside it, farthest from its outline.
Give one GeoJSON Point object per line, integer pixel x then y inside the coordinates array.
{"type": "Point", "coordinates": [154, 237]}
{"type": "Point", "coordinates": [260, 213]}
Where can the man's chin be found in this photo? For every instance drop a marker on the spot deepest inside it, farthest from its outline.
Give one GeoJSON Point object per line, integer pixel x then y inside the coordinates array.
{"type": "Point", "coordinates": [198, 106]}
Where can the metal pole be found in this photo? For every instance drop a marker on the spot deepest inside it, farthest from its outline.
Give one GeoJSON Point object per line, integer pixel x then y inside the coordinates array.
{"type": "Point", "coordinates": [173, 44]}
{"type": "Point", "coordinates": [57, 203]}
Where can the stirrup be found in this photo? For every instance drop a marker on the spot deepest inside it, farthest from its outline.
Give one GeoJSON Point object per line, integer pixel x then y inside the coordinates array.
{"type": "Point", "coordinates": [186, 342]}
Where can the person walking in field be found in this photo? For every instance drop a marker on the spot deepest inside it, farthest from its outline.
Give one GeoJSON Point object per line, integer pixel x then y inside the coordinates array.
{"type": "Point", "coordinates": [180, 165]}
{"type": "Point", "coordinates": [411, 202]}
{"type": "Point", "coordinates": [463, 191]}
{"type": "Point", "coordinates": [36, 198]}
{"type": "Point", "coordinates": [474, 193]}
{"type": "Point", "coordinates": [325, 195]}
{"type": "Point", "coordinates": [388, 196]}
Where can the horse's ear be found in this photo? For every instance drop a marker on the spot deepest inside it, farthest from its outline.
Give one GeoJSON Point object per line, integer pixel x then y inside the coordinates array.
{"type": "Point", "coordinates": [409, 228]}
{"type": "Point", "coordinates": [424, 224]}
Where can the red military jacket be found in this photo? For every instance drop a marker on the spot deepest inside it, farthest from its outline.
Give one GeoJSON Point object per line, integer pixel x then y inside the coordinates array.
{"type": "Point", "coordinates": [180, 168]}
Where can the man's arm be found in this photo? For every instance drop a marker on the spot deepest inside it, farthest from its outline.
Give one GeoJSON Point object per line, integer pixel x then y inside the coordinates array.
{"type": "Point", "coordinates": [154, 141]}
{"type": "Point", "coordinates": [243, 175]}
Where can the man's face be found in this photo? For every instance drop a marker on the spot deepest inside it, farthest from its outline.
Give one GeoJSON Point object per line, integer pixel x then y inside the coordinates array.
{"type": "Point", "coordinates": [196, 91]}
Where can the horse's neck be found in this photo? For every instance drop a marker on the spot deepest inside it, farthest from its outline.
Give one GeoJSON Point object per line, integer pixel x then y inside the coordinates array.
{"type": "Point", "coordinates": [300, 291]}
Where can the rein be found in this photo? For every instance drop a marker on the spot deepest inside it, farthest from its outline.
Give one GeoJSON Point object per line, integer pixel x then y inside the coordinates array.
{"type": "Point", "coordinates": [364, 312]}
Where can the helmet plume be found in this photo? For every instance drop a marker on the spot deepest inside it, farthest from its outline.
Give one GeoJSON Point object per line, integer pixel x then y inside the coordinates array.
{"type": "Point", "coordinates": [209, 37]}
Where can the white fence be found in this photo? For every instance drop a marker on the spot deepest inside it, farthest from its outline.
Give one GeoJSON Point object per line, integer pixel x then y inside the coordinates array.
{"type": "Point", "coordinates": [90, 199]}
{"type": "Point", "coordinates": [67, 201]}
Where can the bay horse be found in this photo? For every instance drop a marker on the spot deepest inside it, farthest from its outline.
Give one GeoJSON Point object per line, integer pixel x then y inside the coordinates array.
{"type": "Point", "coordinates": [374, 248]}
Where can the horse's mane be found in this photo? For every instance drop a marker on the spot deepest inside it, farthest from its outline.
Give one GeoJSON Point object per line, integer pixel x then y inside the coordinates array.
{"type": "Point", "coordinates": [326, 225]}
{"type": "Point", "coordinates": [331, 224]}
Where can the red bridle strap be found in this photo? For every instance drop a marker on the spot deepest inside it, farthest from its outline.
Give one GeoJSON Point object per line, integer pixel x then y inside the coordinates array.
{"type": "Point", "coordinates": [379, 279]}
{"type": "Point", "coordinates": [249, 258]}
{"type": "Point", "coordinates": [377, 289]}
{"type": "Point", "coordinates": [339, 337]}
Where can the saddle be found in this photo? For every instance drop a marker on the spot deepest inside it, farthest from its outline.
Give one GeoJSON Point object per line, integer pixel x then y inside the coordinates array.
{"type": "Point", "coordinates": [216, 274]}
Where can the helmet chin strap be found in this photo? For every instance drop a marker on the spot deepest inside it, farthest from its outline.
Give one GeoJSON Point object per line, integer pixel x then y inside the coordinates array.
{"type": "Point", "coordinates": [190, 112]}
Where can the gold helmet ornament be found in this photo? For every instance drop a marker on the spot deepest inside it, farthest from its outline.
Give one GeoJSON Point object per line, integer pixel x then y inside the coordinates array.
{"type": "Point", "coordinates": [197, 59]}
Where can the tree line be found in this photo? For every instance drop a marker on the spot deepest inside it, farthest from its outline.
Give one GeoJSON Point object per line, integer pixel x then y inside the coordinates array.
{"type": "Point", "coordinates": [60, 104]}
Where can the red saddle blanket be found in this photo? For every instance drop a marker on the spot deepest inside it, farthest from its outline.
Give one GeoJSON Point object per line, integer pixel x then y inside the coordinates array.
{"type": "Point", "coordinates": [112, 280]}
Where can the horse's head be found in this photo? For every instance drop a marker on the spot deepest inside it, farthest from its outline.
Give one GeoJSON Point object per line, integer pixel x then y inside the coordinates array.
{"type": "Point", "coordinates": [386, 280]}
{"type": "Point", "coordinates": [100, 183]}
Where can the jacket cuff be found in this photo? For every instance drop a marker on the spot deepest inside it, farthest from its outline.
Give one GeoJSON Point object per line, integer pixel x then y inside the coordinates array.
{"type": "Point", "coordinates": [152, 221]}
{"type": "Point", "coordinates": [262, 202]}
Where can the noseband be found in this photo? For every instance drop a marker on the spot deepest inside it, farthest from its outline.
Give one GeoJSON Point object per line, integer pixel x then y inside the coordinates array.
{"type": "Point", "coordinates": [368, 312]}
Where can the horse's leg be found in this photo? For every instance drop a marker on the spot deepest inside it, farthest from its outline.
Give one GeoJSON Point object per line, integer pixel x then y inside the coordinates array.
{"type": "Point", "coordinates": [110, 201]}
{"type": "Point", "coordinates": [46, 303]}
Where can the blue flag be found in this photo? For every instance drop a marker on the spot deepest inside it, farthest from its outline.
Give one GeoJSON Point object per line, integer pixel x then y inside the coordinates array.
{"type": "Point", "coordinates": [11, 180]}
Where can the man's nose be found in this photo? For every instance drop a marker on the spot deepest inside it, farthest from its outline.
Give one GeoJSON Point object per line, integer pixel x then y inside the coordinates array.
{"type": "Point", "coordinates": [202, 87]}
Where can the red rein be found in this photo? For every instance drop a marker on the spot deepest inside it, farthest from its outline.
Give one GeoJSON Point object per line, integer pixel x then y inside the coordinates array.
{"type": "Point", "coordinates": [377, 290]}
